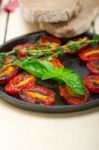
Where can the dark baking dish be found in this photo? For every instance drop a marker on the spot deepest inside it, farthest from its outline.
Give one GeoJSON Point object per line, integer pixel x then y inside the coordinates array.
{"type": "Point", "coordinates": [72, 62]}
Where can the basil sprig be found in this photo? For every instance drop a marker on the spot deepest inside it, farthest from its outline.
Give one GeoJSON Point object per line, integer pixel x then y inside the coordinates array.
{"type": "Point", "coordinates": [45, 70]}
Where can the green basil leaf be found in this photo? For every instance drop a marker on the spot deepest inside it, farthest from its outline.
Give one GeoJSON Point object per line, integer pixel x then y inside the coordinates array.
{"type": "Point", "coordinates": [35, 67]}
{"type": "Point", "coordinates": [75, 83]}
{"type": "Point", "coordinates": [45, 70]}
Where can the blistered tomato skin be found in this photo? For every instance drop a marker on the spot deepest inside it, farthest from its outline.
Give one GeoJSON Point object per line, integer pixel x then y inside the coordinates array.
{"type": "Point", "coordinates": [92, 83]}
{"type": "Point", "coordinates": [9, 59]}
{"type": "Point", "coordinates": [49, 39]}
{"type": "Point", "coordinates": [38, 94]}
{"type": "Point", "coordinates": [72, 99]}
{"type": "Point", "coordinates": [90, 54]}
{"type": "Point", "coordinates": [22, 49]}
{"type": "Point", "coordinates": [23, 46]}
{"type": "Point", "coordinates": [56, 62]}
{"type": "Point", "coordinates": [93, 67]}
{"type": "Point", "coordinates": [7, 73]}
{"type": "Point", "coordinates": [18, 82]}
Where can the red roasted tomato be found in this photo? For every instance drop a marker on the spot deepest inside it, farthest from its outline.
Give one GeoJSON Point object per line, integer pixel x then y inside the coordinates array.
{"type": "Point", "coordinates": [6, 73]}
{"type": "Point", "coordinates": [93, 67]}
{"type": "Point", "coordinates": [18, 82]}
{"type": "Point", "coordinates": [92, 83]}
{"type": "Point", "coordinates": [22, 49]}
{"type": "Point", "coordinates": [70, 98]}
{"type": "Point", "coordinates": [9, 59]}
{"type": "Point", "coordinates": [57, 63]}
{"type": "Point", "coordinates": [90, 54]}
{"type": "Point", "coordinates": [38, 94]}
{"type": "Point", "coordinates": [49, 39]}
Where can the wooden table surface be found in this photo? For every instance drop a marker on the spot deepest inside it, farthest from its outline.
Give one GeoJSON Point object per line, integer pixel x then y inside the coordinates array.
{"type": "Point", "coordinates": [24, 130]}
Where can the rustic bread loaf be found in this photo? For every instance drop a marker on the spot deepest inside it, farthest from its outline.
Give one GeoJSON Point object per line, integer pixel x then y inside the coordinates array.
{"type": "Point", "coordinates": [77, 25]}
{"type": "Point", "coordinates": [50, 11]}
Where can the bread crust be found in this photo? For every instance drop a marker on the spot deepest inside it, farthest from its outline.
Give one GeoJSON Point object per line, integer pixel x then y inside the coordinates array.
{"type": "Point", "coordinates": [36, 13]}
{"type": "Point", "coordinates": [77, 25]}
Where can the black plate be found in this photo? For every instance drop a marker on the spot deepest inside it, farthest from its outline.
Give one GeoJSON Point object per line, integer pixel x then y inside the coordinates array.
{"type": "Point", "coordinates": [72, 62]}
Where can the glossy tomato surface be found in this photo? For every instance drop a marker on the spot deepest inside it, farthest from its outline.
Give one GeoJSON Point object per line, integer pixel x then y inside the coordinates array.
{"type": "Point", "coordinates": [93, 67]}
{"type": "Point", "coordinates": [90, 54]}
{"type": "Point", "coordinates": [6, 73]}
{"type": "Point", "coordinates": [18, 82]}
{"type": "Point", "coordinates": [38, 94]}
{"type": "Point", "coordinates": [9, 59]}
{"type": "Point", "coordinates": [56, 62]}
{"type": "Point", "coordinates": [49, 39]}
{"type": "Point", "coordinates": [92, 83]}
{"type": "Point", "coordinates": [21, 50]}
{"type": "Point", "coordinates": [72, 99]}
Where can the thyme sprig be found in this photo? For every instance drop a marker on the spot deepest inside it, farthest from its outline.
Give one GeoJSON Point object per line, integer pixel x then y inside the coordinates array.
{"type": "Point", "coordinates": [53, 50]}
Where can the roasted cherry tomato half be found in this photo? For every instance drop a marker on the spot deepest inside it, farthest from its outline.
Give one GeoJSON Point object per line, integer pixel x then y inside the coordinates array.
{"type": "Point", "coordinates": [71, 98]}
{"type": "Point", "coordinates": [18, 82]}
{"type": "Point", "coordinates": [56, 62]}
{"type": "Point", "coordinates": [6, 73]}
{"type": "Point", "coordinates": [90, 54]}
{"type": "Point", "coordinates": [22, 49]}
{"type": "Point", "coordinates": [38, 94]}
{"type": "Point", "coordinates": [9, 59]}
{"type": "Point", "coordinates": [92, 83]}
{"type": "Point", "coordinates": [93, 67]}
{"type": "Point", "coordinates": [49, 39]}
{"type": "Point", "coordinates": [24, 46]}
{"type": "Point", "coordinates": [47, 42]}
